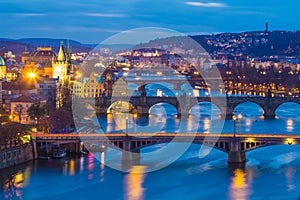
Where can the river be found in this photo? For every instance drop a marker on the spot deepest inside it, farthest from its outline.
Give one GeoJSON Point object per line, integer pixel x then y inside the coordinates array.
{"type": "Point", "coordinates": [270, 173]}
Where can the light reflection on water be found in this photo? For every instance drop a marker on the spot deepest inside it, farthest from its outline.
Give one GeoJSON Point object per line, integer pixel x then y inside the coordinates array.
{"type": "Point", "coordinates": [271, 171]}
{"type": "Point", "coordinates": [133, 183]}
{"type": "Point", "coordinates": [239, 188]}
{"type": "Point", "coordinates": [204, 118]}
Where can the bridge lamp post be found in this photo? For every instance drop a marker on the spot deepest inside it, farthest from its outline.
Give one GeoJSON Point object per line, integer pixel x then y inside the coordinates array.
{"type": "Point", "coordinates": [126, 126]}
{"type": "Point", "coordinates": [134, 123]}
{"type": "Point", "coordinates": [234, 125]}
{"type": "Point", "coordinates": [238, 119]}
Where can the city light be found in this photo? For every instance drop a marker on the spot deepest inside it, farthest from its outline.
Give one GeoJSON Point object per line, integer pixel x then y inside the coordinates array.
{"type": "Point", "coordinates": [31, 74]}
{"type": "Point", "coordinates": [290, 141]}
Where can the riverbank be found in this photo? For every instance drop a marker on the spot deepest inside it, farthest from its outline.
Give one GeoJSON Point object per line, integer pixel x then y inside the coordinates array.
{"type": "Point", "coordinates": [15, 155]}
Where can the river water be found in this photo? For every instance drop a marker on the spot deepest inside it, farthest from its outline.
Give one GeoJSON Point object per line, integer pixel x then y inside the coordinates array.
{"type": "Point", "coordinates": [270, 173]}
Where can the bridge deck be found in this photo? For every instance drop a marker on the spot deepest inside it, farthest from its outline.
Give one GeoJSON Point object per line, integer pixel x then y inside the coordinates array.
{"type": "Point", "coordinates": [143, 135]}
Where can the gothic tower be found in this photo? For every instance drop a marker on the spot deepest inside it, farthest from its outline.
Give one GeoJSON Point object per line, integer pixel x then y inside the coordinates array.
{"type": "Point", "coordinates": [61, 64]}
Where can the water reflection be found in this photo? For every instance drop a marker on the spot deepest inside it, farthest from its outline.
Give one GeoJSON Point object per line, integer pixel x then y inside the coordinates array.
{"type": "Point", "coordinates": [248, 123]}
{"type": "Point", "coordinates": [249, 109]}
{"type": "Point", "coordinates": [203, 118]}
{"type": "Point", "coordinates": [289, 174]}
{"type": "Point", "coordinates": [134, 183]}
{"type": "Point", "coordinates": [13, 186]}
{"type": "Point", "coordinates": [90, 166]}
{"type": "Point", "coordinates": [102, 165]}
{"type": "Point", "coordinates": [206, 125]}
{"type": "Point", "coordinates": [290, 125]}
{"type": "Point", "coordinates": [72, 167]}
{"type": "Point", "coordinates": [239, 189]}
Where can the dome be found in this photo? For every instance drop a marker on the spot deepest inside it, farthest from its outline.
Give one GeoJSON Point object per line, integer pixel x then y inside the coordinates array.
{"type": "Point", "coordinates": [44, 52]}
{"type": "Point", "coordinates": [2, 62]}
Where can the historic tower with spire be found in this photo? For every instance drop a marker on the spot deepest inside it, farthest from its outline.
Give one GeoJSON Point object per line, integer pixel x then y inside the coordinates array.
{"type": "Point", "coordinates": [61, 64]}
{"type": "Point", "coordinates": [61, 70]}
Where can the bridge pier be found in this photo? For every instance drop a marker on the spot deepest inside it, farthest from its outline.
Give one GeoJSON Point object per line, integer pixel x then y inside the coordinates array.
{"type": "Point", "coordinates": [269, 116]}
{"type": "Point", "coordinates": [235, 155]}
{"type": "Point", "coordinates": [130, 159]}
{"type": "Point", "coordinates": [34, 149]}
{"type": "Point", "coordinates": [128, 154]}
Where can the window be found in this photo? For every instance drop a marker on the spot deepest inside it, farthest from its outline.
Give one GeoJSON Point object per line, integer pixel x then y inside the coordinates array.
{"type": "Point", "coordinates": [3, 156]}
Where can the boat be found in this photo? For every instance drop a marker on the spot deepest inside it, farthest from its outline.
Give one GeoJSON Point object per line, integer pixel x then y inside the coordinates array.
{"type": "Point", "coordinates": [59, 153]}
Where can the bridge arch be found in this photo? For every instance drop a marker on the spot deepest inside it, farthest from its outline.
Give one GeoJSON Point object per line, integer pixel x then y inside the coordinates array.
{"type": "Point", "coordinates": [163, 106]}
{"type": "Point", "coordinates": [249, 109]}
{"type": "Point", "coordinates": [264, 145]}
{"type": "Point", "coordinates": [205, 108]}
{"type": "Point", "coordinates": [159, 89]}
{"type": "Point", "coordinates": [284, 109]}
{"type": "Point", "coordinates": [121, 107]}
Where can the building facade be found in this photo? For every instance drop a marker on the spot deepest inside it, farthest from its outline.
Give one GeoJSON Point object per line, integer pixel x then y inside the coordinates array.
{"type": "Point", "coordinates": [20, 106]}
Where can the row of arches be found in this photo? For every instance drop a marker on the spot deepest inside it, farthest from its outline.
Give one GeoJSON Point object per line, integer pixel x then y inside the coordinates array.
{"type": "Point", "coordinates": [164, 89]}
{"type": "Point", "coordinates": [207, 109]}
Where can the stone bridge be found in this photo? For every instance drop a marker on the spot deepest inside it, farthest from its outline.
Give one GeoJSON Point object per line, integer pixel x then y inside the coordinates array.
{"type": "Point", "coordinates": [235, 146]}
{"type": "Point", "coordinates": [183, 104]}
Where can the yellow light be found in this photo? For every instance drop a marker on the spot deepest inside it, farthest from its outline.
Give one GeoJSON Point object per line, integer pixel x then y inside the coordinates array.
{"type": "Point", "coordinates": [240, 116]}
{"type": "Point", "coordinates": [135, 116]}
{"type": "Point", "coordinates": [250, 140]}
{"type": "Point", "coordinates": [10, 116]}
{"type": "Point", "coordinates": [31, 75]}
{"type": "Point", "coordinates": [290, 141]}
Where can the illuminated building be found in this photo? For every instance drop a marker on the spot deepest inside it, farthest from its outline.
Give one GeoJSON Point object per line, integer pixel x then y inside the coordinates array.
{"type": "Point", "coordinates": [2, 68]}
{"type": "Point", "coordinates": [40, 61]}
{"type": "Point", "coordinates": [61, 64]}
{"type": "Point", "coordinates": [88, 87]}
{"type": "Point", "coordinates": [21, 104]}
{"type": "Point", "coordinates": [46, 88]}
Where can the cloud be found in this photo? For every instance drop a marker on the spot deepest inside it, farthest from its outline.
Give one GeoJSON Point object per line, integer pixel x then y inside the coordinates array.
{"type": "Point", "coordinates": [113, 15]}
{"type": "Point", "coordinates": [206, 5]}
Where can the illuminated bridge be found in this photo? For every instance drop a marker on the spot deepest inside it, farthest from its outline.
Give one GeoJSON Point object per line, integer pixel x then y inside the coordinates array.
{"type": "Point", "coordinates": [183, 104]}
{"type": "Point", "coordinates": [235, 147]}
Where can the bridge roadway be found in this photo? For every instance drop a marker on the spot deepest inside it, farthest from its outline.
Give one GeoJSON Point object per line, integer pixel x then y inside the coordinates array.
{"type": "Point", "coordinates": [235, 147]}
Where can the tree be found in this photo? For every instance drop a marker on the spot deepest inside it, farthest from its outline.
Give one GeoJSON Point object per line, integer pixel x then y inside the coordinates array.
{"type": "Point", "coordinates": [36, 111]}
{"type": "Point", "coordinates": [61, 119]}
{"type": "Point", "coordinates": [18, 110]}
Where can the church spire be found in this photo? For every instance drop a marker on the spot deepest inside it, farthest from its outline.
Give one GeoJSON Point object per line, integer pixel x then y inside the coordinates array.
{"type": "Point", "coordinates": [61, 54]}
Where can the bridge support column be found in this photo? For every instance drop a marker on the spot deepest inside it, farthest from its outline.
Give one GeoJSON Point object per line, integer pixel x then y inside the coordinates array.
{"type": "Point", "coordinates": [129, 157]}
{"type": "Point", "coordinates": [227, 112]}
{"type": "Point", "coordinates": [133, 157]}
{"type": "Point", "coordinates": [34, 149]}
{"type": "Point", "coordinates": [143, 111]}
{"type": "Point", "coordinates": [269, 113]}
{"type": "Point", "coordinates": [235, 155]}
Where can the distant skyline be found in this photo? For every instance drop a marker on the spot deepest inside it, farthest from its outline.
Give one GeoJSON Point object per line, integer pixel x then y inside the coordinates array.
{"type": "Point", "coordinates": [92, 21]}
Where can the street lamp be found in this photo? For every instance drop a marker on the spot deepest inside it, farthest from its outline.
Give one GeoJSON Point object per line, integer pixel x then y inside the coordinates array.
{"type": "Point", "coordinates": [134, 123]}
{"type": "Point", "coordinates": [238, 119]}
{"type": "Point", "coordinates": [127, 126]}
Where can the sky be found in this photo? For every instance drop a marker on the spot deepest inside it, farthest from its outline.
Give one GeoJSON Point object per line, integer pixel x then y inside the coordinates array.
{"type": "Point", "coordinates": [92, 21]}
